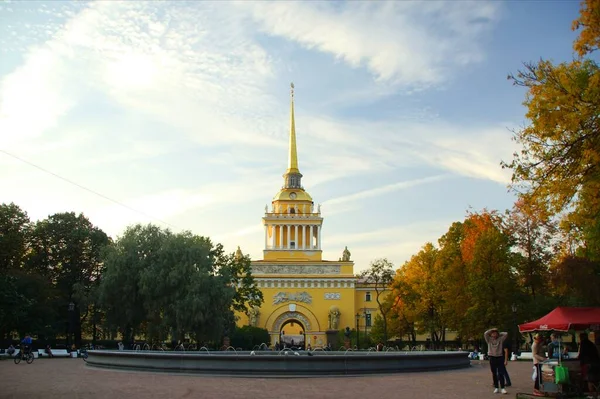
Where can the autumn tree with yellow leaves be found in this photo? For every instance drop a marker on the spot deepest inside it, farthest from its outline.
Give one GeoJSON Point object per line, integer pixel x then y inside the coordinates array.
{"type": "Point", "coordinates": [558, 168]}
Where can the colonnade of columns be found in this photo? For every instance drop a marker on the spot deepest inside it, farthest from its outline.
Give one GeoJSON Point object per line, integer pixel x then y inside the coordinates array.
{"type": "Point", "coordinates": [285, 241]}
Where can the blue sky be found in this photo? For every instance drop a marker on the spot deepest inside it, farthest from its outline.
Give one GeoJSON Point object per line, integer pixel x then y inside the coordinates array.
{"type": "Point", "coordinates": [180, 111]}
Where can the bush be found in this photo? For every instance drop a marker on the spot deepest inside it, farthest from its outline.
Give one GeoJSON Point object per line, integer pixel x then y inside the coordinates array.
{"type": "Point", "coordinates": [247, 337]}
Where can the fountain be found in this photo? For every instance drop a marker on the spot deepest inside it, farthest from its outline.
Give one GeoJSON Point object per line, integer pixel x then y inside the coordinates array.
{"type": "Point", "coordinates": [287, 362]}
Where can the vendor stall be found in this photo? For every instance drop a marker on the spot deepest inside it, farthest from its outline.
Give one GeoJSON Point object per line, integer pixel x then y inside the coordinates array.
{"type": "Point", "coordinates": [561, 377]}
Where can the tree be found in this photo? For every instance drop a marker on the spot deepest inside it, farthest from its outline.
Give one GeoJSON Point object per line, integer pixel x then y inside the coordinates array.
{"type": "Point", "coordinates": [14, 235]}
{"type": "Point", "coordinates": [558, 167]}
{"type": "Point", "coordinates": [175, 284]}
{"type": "Point", "coordinates": [380, 276]}
{"type": "Point", "coordinates": [576, 281]}
{"type": "Point", "coordinates": [124, 261]}
{"type": "Point", "coordinates": [66, 248]}
{"type": "Point", "coordinates": [589, 21]}
{"type": "Point", "coordinates": [534, 235]}
{"type": "Point", "coordinates": [238, 268]}
{"type": "Point", "coordinates": [421, 284]}
{"type": "Point", "coordinates": [486, 250]}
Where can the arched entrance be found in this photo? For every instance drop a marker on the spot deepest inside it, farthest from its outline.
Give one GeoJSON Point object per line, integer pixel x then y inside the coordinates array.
{"type": "Point", "coordinates": [279, 323]}
{"type": "Point", "coordinates": [292, 334]}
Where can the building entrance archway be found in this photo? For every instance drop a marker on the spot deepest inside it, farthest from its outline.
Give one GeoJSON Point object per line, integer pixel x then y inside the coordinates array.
{"type": "Point", "coordinates": [292, 334]}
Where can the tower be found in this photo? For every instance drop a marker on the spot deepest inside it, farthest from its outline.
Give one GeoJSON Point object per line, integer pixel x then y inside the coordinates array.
{"type": "Point", "coordinates": [292, 225]}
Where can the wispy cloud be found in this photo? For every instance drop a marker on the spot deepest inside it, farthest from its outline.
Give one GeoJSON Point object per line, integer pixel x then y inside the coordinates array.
{"type": "Point", "coordinates": [179, 110]}
{"type": "Point", "coordinates": [389, 188]}
{"type": "Point", "coordinates": [388, 38]}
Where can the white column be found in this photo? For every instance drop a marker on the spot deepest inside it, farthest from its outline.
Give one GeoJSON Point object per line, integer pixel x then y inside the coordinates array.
{"type": "Point", "coordinates": [266, 236]}
{"type": "Point", "coordinates": [310, 235]}
{"type": "Point", "coordinates": [296, 237]}
{"type": "Point", "coordinates": [319, 237]}
{"type": "Point", "coordinates": [303, 236]}
{"type": "Point", "coordinates": [287, 241]}
{"type": "Point", "coordinates": [273, 235]}
{"type": "Point", "coordinates": [280, 236]}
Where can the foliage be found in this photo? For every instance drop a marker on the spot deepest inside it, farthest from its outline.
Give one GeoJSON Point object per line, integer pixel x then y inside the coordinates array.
{"type": "Point", "coordinates": [558, 168]}
{"type": "Point", "coordinates": [589, 23]}
{"type": "Point", "coordinates": [534, 239]}
{"type": "Point", "coordinates": [421, 283]}
{"type": "Point", "coordinates": [380, 276]}
{"type": "Point", "coordinates": [238, 270]}
{"type": "Point", "coordinates": [175, 284]}
{"type": "Point", "coordinates": [247, 337]}
{"type": "Point", "coordinates": [14, 235]}
{"type": "Point", "coordinates": [66, 250]}
{"type": "Point", "coordinates": [576, 281]}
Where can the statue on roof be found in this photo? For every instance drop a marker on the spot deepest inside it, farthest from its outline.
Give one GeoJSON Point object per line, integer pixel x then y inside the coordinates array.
{"type": "Point", "coordinates": [345, 255]}
{"type": "Point", "coordinates": [238, 254]}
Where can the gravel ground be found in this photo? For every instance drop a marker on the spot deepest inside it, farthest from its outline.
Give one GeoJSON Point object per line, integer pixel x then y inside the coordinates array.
{"type": "Point", "coordinates": [71, 378]}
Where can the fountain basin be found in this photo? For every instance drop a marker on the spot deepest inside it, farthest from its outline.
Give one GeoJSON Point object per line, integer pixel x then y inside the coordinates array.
{"type": "Point", "coordinates": [278, 364]}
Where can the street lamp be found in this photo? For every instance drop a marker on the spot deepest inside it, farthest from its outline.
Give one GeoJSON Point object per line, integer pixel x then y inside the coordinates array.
{"type": "Point", "coordinates": [357, 331]}
{"type": "Point", "coordinates": [514, 312]}
{"type": "Point", "coordinates": [71, 309]}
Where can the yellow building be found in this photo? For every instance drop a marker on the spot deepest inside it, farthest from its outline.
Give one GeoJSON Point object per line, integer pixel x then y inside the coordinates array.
{"type": "Point", "coordinates": [306, 299]}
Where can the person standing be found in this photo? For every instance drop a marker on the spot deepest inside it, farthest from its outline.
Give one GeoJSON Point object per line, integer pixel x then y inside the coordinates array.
{"type": "Point", "coordinates": [589, 359]}
{"type": "Point", "coordinates": [495, 342]}
{"type": "Point", "coordinates": [538, 354]}
{"type": "Point", "coordinates": [506, 377]}
{"type": "Point", "coordinates": [553, 347]}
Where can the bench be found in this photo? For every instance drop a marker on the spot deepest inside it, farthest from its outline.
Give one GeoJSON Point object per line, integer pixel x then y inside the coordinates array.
{"type": "Point", "coordinates": [529, 356]}
{"type": "Point", "coordinates": [60, 352]}
{"type": "Point", "coordinates": [4, 353]}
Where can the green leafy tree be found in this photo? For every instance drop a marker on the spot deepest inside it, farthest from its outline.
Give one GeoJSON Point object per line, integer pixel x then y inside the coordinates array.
{"type": "Point", "coordinates": [380, 276]}
{"type": "Point", "coordinates": [14, 236]}
{"type": "Point", "coordinates": [237, 267]}
{"type": "Point", "coordinates": [66, 249]}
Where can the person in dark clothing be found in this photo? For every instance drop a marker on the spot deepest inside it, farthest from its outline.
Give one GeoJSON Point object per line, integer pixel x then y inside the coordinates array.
{"type": "Point", "coordinates": [590, 361]}
{"type": "Point", "coordinates": [553, 347]}
{"type": "Point", "coordinates": [495, 342]}
{"type": "Point", "coordinates": [505, 376]}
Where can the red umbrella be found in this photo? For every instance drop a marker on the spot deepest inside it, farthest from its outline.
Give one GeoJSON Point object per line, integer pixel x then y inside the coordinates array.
{"type": "Point", "coordinates": [565, 319]}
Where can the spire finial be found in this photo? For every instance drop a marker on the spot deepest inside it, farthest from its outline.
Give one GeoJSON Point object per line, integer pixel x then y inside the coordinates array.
{"type": "Point", "coordinates": [293, 154]}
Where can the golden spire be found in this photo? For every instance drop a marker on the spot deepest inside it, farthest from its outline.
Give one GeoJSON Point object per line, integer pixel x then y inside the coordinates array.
{"type": "Point", "coordinates": [293, 155]}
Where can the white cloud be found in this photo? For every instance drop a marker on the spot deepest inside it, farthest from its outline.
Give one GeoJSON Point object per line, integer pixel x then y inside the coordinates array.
{"type": "Point", "coordinates": [411, 43]}
{"type": "Point", "coordinates": [374, 192]}
{"type": "Point", "coordinates": [178, 110]}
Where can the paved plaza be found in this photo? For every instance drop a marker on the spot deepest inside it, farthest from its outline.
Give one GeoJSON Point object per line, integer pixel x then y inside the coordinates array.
{"type": "Point", "coordinates": [70, 378]}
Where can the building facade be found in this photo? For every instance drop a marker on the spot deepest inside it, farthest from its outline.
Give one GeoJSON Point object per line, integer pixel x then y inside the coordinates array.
{"type": "Point", "coordinates": [307, 300]}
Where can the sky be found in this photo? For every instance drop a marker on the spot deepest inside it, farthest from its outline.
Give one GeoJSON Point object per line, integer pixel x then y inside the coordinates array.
{"type": "Point", "coordinates": [177, 113]}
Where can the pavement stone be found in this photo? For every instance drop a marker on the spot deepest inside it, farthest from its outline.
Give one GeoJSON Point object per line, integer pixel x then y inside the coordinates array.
{"type": "Point", "coordinates": [71, 378]}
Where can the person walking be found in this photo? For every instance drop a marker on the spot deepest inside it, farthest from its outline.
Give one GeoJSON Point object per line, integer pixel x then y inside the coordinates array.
{"type": "Point", "coordinates": [539, 356]}
{"type": "Point", "coordinates": [495, 342]}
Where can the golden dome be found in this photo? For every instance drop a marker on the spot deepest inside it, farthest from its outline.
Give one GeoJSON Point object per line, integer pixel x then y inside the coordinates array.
{"type": "Point", "coordinates": [290, 194]}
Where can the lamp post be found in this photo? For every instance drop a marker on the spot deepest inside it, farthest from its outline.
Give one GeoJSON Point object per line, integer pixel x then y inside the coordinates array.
{"type": "Point", "coordinates": [71, 309]}
{"type": "Point", "coordinates": [357, 331]}
{"type": "Point", "coordinates": [514, 312]}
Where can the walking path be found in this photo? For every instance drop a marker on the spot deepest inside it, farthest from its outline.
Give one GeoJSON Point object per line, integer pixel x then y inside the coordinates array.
{"type": "Point", "coordinates": [70, 378]}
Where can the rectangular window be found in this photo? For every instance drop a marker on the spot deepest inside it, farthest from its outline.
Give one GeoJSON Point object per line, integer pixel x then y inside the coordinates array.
{"type": "Point", "coordinates": [368, 297]}
{"type": "Point", "coordinates": [368, 319]}
{"type": "Point", "coordinates": [292, 245]}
